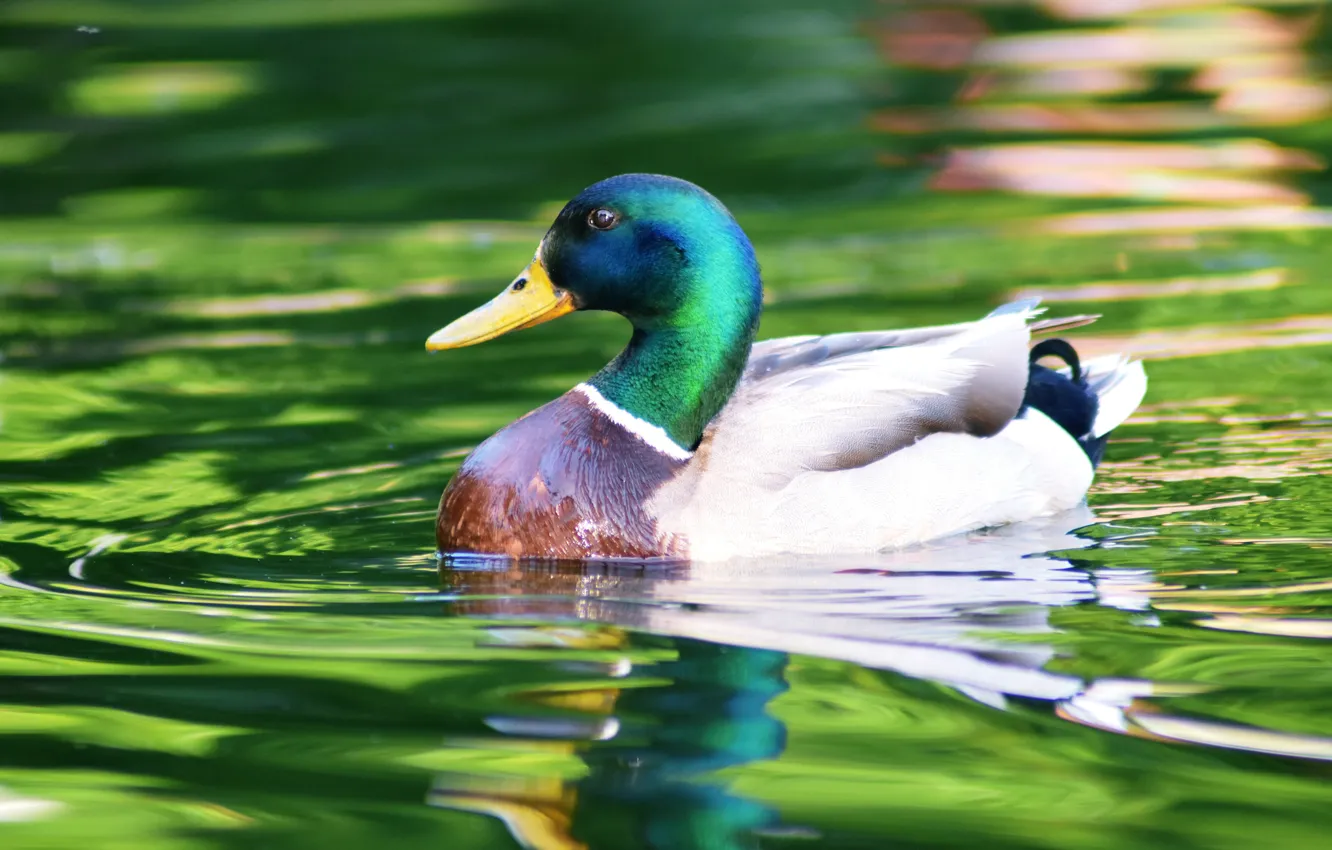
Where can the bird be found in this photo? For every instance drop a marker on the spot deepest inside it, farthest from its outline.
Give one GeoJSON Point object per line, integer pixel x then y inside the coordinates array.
{"type": "Point", "coordinates": [697, 443]}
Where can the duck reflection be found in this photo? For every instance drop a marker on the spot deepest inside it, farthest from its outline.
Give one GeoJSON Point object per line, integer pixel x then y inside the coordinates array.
{"type": "Point", "coordinates": [700, 654]}
{"type": "Point", "coordinates": [649, 786]}
{"type": "Point", "coordinates": [652, 739]}
{"type": "Point", "coordinates": [930, 612]}
{"type": "Point", "coordinates": [649, 765]}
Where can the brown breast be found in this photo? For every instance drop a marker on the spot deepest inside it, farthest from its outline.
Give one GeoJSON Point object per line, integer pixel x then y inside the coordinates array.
{"type": "Point", "coordinates": [562, 482]}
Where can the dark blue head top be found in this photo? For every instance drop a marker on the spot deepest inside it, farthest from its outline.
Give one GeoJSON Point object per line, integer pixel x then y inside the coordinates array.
{"type": "Point", "coordinates": [657, 250]}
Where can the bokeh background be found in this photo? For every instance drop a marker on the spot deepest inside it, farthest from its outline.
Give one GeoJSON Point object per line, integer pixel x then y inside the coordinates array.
{"type": "Point", "coordinates": [227, 227]}
{"type": "Point", "coordinates": [411, 110]}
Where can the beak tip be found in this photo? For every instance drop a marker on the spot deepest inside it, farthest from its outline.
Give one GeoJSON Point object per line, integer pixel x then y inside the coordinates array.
{"type": "Point", "coordinates": [513, 309]}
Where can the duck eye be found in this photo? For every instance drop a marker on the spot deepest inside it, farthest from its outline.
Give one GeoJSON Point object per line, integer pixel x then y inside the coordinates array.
{"type": "Point", "coordinates": [602, 219]}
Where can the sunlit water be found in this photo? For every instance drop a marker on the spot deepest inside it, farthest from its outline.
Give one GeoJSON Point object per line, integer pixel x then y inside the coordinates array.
{"type": "Point", "coordinates": [222, 622]}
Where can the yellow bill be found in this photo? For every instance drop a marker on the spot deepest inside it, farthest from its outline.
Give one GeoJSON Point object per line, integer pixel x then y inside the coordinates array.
{"type": "Point", "coordinates": [530, 300]}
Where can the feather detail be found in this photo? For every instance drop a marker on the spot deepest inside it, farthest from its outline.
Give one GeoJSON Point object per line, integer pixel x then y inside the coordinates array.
{"type": "Point", "coordinates": [1120, 385]}
{"type": "Point", "coordinates": [1062, 323]}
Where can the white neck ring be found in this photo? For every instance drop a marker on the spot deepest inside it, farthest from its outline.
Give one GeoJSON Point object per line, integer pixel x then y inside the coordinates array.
{"type": "Point", "coordinates": [654, 435]}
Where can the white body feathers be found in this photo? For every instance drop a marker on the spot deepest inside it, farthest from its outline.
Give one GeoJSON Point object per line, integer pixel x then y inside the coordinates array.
{"type": "Point", "coordinates": [865, 442]}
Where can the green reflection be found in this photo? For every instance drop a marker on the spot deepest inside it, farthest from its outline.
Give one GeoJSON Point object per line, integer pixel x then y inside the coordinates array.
{"type": "Point", "coordinates": [229, 225]}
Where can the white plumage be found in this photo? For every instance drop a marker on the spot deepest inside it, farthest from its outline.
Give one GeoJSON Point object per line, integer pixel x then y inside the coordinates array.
{"type": "Point", "coordinates": [872, 441]}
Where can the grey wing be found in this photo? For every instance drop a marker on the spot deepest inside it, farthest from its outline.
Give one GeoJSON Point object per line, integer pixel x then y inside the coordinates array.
{"type": "Point", "coordinates": [841, 401]}
{"type": "Point", "coordinates": [785, 353]}
{"type": "Point", "coordinates": [778, 355]}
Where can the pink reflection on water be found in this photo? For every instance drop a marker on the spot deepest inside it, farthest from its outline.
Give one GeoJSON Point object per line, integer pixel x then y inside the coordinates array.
{"type": "Point", "coordinates": [1213, 339]}
{"type": "Point", "coordinates": [1172, 67]}
{"type": "Point", "coordinates": [1085, 119]}
{"type": "Point", "coordinates": [1234, 155]}
{"type": "Point", "coordinates": [1190, 219]}
{"type": "Point", "coordinates": [1158, 42]}
{"type": "Point", "coordinates": [1227, 172]}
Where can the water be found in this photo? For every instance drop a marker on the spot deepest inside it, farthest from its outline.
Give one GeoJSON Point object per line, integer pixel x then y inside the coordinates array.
{"type": "Point", "coordinates": [221, 443]}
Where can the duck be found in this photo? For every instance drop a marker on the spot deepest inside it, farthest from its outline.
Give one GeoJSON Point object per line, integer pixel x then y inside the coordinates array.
{"type": "Point", "coordinates": [697, 443]}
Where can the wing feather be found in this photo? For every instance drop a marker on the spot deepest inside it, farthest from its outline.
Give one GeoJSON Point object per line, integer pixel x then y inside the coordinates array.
{"type": "Point", "coordinates": [828, 403]}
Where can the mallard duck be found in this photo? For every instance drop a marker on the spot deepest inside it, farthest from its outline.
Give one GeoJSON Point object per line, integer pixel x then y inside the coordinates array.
{"type": "Point", "coordinates": [697, 443]}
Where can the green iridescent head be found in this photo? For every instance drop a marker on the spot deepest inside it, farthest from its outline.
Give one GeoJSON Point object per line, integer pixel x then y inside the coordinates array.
{"type": "Point", "coordinates": [672, 260]}
{"type": "Point", "coordinates": [657, 250]}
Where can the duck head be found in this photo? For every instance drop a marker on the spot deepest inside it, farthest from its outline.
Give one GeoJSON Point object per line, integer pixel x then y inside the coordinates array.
{"type": "Point", "coordinates": [659, 251]}
{"type": "Point", "coordinates": [671, 259]}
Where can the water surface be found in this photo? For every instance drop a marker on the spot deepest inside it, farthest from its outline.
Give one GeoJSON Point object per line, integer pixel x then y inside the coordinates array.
{"type": "Point", "coordinates": [221, 446]}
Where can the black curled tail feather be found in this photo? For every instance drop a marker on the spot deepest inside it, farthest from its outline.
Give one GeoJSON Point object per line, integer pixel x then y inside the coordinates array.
{"type": "Point", "coordinates": [1066, 399]}
{"type": "Point", "coordinates": [1064, 351]}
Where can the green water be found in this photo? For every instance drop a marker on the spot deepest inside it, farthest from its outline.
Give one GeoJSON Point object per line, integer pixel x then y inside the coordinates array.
{"type": "Point", "coordinates": [222, 622]}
